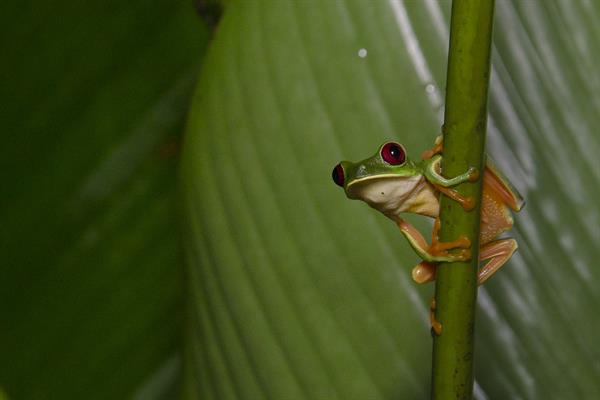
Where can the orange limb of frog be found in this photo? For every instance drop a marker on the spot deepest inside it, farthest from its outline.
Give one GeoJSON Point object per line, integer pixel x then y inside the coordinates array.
{"type": "Point", "coordinates": [467, 202]}
{"type": "Point", "coordinates": [436, 249]}
{"type": "Point", "coordinates": [498, 253]}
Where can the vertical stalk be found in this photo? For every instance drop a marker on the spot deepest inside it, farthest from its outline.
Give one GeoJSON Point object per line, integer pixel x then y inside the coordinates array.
{"type": "Point", "coordinates": [464, 140]}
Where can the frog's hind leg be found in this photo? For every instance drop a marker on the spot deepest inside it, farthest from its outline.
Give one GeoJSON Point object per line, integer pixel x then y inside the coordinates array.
{"type": "Point", "coordinates": [498, 253]}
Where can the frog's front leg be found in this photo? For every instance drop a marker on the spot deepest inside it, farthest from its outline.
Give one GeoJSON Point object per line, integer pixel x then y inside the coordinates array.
{"type": "Point", "coordinates": [443, 184]}
{"type": "Point", "coordinates": [433, 168]}
{"type": "Point", "coordinates": [437, 251]}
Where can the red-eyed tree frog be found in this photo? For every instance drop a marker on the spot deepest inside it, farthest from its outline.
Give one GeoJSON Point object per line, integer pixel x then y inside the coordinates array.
{"type": "Point", "coordinates": [393, 184]}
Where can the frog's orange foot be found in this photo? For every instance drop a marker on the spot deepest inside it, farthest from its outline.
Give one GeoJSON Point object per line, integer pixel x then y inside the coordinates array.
{"type": "Point", "coordinates": [441, 248]}
{"type": "Point", "coordinates": [498, 253]}
{"type": "Point", "coordinates": [461, 255]}
{"type": "Point", "coordinates": [467, 202]}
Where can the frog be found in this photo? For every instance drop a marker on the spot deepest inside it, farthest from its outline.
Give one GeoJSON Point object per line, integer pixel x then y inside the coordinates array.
{"type": "Point", "coordinates": [393, 184]}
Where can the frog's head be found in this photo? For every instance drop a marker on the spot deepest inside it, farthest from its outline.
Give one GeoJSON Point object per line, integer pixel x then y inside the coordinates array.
{"type": "Point", "coordinates": [379, 180]}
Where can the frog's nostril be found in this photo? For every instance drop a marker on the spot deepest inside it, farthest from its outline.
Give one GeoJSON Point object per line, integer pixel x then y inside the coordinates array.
{"type": "Point", "coordinates": [338, 175]}
{"type": "Point", "coordinates": [361, 170]}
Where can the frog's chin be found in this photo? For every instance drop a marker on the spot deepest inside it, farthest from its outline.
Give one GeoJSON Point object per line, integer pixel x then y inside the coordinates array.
{"type": "Point", "coordinates": [393, 195]}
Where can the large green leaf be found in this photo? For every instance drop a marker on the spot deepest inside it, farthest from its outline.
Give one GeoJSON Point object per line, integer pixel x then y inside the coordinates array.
{"type": "Point", "coordinates": [297, 293]}
{"type": "Point", "coordinates": [94, 97]}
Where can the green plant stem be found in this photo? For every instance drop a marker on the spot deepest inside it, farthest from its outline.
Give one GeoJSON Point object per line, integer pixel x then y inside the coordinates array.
{"type": "Point", "coordinates": [464, 140]}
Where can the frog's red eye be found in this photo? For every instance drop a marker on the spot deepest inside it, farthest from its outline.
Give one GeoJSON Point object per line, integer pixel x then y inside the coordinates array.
{"type": "Point", "coordinates": [393, 153]}
{"type": "Point", "coordinates": [338, 175]}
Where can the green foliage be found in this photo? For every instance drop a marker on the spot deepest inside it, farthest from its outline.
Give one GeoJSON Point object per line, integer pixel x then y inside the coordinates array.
{"type": "Point", "coordinates": [93, 102]}
{"type": "Point", "coordinates": [292, 291]}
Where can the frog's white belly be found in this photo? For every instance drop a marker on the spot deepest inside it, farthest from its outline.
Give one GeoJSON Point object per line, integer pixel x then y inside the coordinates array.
{"type": "Point", "coordinates": [395, 195]}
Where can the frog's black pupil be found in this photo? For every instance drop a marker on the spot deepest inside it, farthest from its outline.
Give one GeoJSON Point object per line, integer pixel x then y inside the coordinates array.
{"type": "Point", "coordinates": [395, 151]}
{"type": "Point", "coordinates": [338, 175]}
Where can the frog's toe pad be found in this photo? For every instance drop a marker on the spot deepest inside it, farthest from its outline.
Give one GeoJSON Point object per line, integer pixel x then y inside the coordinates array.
{"type": "Point", "coordinates": [463, 255]}
{"type": "Point", "coordinates": [436, 329]}
{"type": "Point", "coordinates": [473, 174]}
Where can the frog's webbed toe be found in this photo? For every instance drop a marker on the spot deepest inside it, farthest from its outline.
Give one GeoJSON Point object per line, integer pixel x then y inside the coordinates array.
{"type": "Point", "coordinates": [498, 253]}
